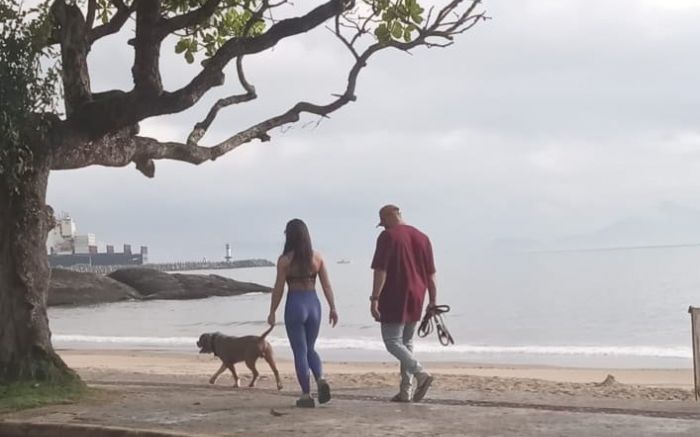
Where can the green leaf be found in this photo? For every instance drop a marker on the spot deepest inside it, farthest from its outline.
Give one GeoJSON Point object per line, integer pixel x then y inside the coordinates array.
{"type": "Point", "coordinates": [382, 33]}
{"type": "Point", "coordinates": [181, 46]}
{"type": "Point", "coordinates": [397, 30]}
{"type": "Point", "coordinates": [189, 57]}
{"type": "Point", "coordinates": [417, 18]}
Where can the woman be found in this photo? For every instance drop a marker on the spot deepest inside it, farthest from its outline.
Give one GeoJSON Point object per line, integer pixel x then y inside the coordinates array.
{"type": "Point", "coordinates": [298, 266]}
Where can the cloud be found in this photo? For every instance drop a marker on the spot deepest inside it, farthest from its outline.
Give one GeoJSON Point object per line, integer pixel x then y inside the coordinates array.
{"type": "Point", "coordinates": [554, 118]}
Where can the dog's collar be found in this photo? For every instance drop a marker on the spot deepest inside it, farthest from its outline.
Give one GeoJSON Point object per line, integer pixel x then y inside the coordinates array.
{"type": "Point", "coordinates": [213, 349]}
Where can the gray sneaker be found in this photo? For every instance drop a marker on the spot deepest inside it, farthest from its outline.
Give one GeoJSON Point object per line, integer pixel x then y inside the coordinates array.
{"type": "Point", "coordinates": [423, 381]}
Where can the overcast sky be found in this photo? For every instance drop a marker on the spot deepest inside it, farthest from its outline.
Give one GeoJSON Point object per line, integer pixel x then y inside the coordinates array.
{"type": "Point", "coordinates": [557, 119]}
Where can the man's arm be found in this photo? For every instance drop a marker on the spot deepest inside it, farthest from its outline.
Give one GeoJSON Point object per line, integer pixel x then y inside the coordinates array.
{"type": "Point", "coordinates": [378, 283]}
{"type": "Point", "coordinates": [377, 286]}
{"type": "Point", "coordinates": [432, 290]}
{"type": "Point", "coordinates": [430, 268]}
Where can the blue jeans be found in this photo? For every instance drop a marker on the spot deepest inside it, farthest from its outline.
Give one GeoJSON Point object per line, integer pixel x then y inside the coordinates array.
{"type": "Point", "coordinates": [398, 339]}
{"type": "Point", "coordinates": [302, 319]}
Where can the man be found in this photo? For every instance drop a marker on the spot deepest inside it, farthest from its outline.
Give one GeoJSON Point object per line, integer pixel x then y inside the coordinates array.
{"type": "Point", "coordinates": [403, 269]}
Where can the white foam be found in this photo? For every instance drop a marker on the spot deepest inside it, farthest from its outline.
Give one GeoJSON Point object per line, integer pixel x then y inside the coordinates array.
{"type": "Point", "coordinates": [372, 344]}
{"type": "Point", "coordinates": [125, 341]}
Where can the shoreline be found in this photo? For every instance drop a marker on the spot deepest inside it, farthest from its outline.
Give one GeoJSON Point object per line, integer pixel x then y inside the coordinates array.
{"type": "Point", "coordinates": [134, 362]}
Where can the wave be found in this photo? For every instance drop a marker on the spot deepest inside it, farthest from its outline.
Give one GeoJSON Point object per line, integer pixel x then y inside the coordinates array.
{"type": "Point", "coordinates": [208, 325]}
{"type": "Point", "coordinates": [123, 341]}
{"type": "Point", "coordinates": [371, 344]}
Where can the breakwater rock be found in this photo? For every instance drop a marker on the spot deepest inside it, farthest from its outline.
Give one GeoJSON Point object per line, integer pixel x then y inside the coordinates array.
{"type": "Point", "coordinates": [75, 288]}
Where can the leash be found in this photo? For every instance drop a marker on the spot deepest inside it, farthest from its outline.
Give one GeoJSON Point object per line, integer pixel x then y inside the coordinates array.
{"type": "Point", "coordinates": [433, 321]}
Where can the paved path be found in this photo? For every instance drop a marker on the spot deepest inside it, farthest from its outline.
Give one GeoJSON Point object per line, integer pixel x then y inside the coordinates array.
{"type": "Point", "coordinates": [220, 410]}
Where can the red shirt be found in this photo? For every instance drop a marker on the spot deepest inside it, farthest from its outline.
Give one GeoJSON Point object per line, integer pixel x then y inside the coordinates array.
{"type": "Point", "coordinates": [405, 254]}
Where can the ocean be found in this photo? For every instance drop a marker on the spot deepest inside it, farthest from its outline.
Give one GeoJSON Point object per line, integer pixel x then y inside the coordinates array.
{"type": "Point", "coordinates": [610, 308]}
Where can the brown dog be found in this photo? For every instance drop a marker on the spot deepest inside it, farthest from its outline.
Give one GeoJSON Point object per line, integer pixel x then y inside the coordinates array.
{"type": "Point", "coordinates": [232, 350]}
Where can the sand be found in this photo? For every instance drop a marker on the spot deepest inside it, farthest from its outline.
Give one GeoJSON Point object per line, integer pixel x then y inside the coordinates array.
{"type": "Point", "coordinates": [656, 384]}
{"type": "Point", "coordinates": [169, 393]}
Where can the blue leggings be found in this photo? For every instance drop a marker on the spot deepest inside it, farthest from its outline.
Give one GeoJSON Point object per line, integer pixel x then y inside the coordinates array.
{"type": "Point", "coordinates": [302, 319]}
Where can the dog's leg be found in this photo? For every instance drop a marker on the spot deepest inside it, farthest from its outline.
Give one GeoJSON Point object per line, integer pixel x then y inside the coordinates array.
{"type": "Point", "coordinates": [250, 362]}
{"type": "Point", "coordinates": [267, 354]}
{"type": "Point", "coordinates": [212, 380]}
{"type": "Point", "coordinates": [232, 368]}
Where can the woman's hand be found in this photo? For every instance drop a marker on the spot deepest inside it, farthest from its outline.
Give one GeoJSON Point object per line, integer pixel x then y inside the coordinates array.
{"type": "Point", "coordinates": [333, 317]}
{"type": "Point", "coordinates": [271, 319]}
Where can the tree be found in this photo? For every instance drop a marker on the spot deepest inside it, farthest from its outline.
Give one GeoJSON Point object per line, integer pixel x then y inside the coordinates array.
{"type": "Point", "coordinates": [102, 128]}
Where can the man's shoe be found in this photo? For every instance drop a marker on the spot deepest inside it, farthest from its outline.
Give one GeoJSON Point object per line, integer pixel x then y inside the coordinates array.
{"type": "Point", "coordinates": [423, 381]}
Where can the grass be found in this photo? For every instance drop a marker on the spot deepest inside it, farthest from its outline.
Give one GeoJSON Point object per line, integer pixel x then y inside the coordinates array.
{"type": "Point", "coordinates": [23, 395]}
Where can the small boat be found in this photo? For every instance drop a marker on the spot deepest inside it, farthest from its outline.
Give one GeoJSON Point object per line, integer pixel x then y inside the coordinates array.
{"type": "Point", "coordinates": [343, 261]}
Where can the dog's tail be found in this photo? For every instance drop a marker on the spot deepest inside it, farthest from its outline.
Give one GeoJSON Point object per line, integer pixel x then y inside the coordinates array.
{"type": "Point", "coordinates": [262, 344]}
{"type": "Point", "coordinates": [264, 334]}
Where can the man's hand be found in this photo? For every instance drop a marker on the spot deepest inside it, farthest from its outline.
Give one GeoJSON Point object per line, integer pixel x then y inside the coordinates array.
{"type": "Point", "coordinates": [271, 319]}
{"type": "Point", "coordinates": [374, 309]}
{"type": "Point", "coordinates": [333, 317]}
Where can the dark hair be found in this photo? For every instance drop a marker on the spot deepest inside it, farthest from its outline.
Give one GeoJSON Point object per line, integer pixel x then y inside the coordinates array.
{"type": "Point", "coordinates": [299, 242]}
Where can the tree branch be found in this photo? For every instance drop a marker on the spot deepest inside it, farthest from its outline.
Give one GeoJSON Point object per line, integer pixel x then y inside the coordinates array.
{"type": "Point", "coordinates": [189, 19]}
{"type": "Point", "coordinates": [90, 16]}
{"type": "Point", "coordinates": [123, 109]}
{"type": "Point", "coordinates": [201, 128]}
{"type": "Point", "coordinates": [70, 31]}
{"type": "Point", "coordinates": [75, 150]}
{"type": "Point", "coordinates": [115, 24]}
{"type": "Point", "coordinates": [151, 149]}
{"type": "Point", "coordinates": [146, 69]}
{"type": "Point", "coordinates": [124, 146]}
{"type": "Point", "coordinates": [119, 150]}
{"type": "Point", "coordinates": [212, 74]}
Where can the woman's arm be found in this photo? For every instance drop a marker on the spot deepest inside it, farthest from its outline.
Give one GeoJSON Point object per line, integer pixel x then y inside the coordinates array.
{"type": "Point", "coordinates": [327, 291]}
{"type": "Point", "coordinates": [278, 289]}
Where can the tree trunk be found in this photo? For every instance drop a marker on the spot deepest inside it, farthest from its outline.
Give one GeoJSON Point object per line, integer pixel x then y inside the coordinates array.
{"type": "Point", "coordinates": [26, 353]}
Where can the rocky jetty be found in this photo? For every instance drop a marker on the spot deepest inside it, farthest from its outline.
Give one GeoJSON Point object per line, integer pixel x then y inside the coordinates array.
{"type": "Point", "coordinates": [75, 288]}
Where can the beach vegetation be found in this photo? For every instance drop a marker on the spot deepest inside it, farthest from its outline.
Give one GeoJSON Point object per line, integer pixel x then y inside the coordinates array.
{"type": "Point", "coordinates": [23, 395]}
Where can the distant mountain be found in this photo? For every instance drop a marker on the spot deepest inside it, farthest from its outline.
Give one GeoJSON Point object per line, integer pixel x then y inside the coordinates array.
{"type": "Point", "coordinates": [515, 244]}
{"type": "Point", "coordinates": [669, 224]}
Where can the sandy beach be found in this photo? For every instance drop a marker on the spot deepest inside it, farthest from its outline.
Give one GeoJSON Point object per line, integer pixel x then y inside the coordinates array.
{"type": "Point", "coordinates": [655, 384]}
{"type": "Point", "coordinates": [164, 394]}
